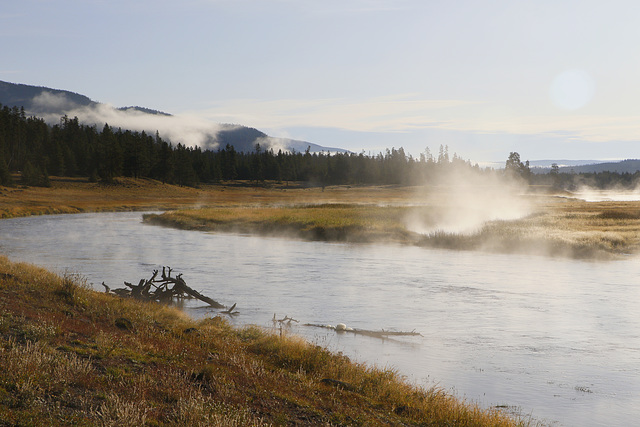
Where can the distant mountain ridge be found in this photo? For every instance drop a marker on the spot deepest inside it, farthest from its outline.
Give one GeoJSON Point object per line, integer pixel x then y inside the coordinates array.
{"type": "Point", "coordinates": [144, 110]}
{"type": "Point", "coordinates": [624, 166]}
{"type": "Point", "coordinates": [52, 104]}
{"type": "Point", "coordinates": [562, 163]}
{"type": "Point", "coordinates": [587, 166]}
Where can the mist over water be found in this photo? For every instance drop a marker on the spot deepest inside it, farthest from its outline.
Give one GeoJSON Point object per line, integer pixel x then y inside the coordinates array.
{"type": "Point", "coordinates": [466, 201]}
{"type": "Point", "coordinates": [557, 339]}
{"type": "Point", "coordinates": [589, 194]}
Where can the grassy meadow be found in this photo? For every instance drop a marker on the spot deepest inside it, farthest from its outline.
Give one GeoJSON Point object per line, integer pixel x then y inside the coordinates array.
{"type": "Point", "coordinates": [75, 195]}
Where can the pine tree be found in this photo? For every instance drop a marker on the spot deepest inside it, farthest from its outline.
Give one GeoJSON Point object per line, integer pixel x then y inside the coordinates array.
{"type": "Point", "coordinates": [109, 155]}
{"type": "Point", "coordinates": [5, 175]}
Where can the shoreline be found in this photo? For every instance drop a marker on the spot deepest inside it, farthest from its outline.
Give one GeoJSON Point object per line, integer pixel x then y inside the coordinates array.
{"type": "Point", "coordinates": [73, 356]}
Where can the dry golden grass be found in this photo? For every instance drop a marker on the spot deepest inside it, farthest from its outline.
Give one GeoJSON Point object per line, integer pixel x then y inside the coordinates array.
{"type": "Point", "coordinates": [65, 361]}
{"type": "Point", "coordinates": [567, 227]}
{"type": "Point", "coordinates": [336, 222]}
{"type": "Point", "coordinates": [70, 195]}
{"type": "Point", "coordinates": [73, 195]}
{"type": "Point", "coordinates": [557, 226]}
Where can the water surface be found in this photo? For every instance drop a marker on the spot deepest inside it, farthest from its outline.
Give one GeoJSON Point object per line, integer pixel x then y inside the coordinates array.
{"type": "Point", "coordinates": [557, 339]}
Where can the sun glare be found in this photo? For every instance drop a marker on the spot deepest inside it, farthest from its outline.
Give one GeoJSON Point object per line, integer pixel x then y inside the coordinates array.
{"type": "Point", "coordinates": [572, 89]}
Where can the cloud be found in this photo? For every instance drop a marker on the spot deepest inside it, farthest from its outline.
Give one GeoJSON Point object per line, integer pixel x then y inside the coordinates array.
{"type": "Point", "coordinates": [48, 101]}
{"type": "Point", "coordinates": [186, 129]}
{"type": "Point", "coordinates": [586, 127]}
{"type": "Point", "coordinates": [274, 144]}
{"type": "Point", "coordinates": [408, 112]}
{"type": "Point", "coordinates": [396, 113]}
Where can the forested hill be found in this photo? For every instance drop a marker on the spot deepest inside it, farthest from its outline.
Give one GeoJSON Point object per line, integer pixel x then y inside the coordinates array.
{"type": "Point", "coordinates": [52, 104]}
{"type": "Point", "coordinates": [144, 110]}
{"type": "Point", "coordinates": [19, 95]}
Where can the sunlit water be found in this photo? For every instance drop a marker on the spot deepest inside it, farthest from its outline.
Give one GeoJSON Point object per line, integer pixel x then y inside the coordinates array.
{"type": "Point", "coordinates": [556, 339]}
{"type": "Point", "coordinates": [592, 195]}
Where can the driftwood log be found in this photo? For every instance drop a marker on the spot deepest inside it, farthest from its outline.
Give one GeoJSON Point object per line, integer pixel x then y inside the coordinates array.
{"type": "Point", "coordinates": [341, 328]}
{"type": "Point", "coordinates": [165, 288]}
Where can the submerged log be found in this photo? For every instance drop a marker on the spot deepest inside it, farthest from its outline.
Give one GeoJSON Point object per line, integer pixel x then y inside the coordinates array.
{"type": "Point", "coordinates": [163, 289]}
{"type": "Point", "coordinates": [342, 328]}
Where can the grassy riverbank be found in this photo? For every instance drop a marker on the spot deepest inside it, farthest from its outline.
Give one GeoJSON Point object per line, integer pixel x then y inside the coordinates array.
{"type": "Point", "coordinates": [554, 226]}
{"type": "Point", "coordinates": [331, 222]}
{"type": "Point", "coordinates": [73, 356]}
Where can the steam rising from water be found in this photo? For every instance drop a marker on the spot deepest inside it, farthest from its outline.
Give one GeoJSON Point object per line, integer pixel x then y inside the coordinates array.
{"type": "Point", "coordinates": [467, 200]}
{"type": "Point", "coordinates": [589, 194]}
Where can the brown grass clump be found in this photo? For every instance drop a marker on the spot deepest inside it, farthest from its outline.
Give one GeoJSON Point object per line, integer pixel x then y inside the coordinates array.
{"type": "Point", "coordinates": [68, 357]}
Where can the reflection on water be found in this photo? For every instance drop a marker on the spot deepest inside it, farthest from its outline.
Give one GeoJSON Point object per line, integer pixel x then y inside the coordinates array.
{"type": "Point", "coordinates": [558, 339]}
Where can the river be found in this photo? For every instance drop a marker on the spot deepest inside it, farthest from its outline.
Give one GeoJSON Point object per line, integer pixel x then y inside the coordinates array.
{"type": "Point", "coordinates": [554, 339]}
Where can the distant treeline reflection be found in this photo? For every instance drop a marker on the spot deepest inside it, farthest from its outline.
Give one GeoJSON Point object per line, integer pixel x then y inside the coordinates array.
{"type": "Point", "coordinates": [36, 149]}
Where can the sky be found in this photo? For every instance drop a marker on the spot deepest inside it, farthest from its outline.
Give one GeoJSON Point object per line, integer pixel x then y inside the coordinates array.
{"type": "Point", "coordinates": [548, 79]}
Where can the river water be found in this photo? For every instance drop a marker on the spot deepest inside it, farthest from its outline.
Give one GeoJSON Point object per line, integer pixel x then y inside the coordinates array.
{"type": "Point", "coordinates": [557, 340]}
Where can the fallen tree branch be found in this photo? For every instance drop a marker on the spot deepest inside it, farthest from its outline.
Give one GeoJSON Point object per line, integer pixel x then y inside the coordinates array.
{"type": "Point", "coordinates": [163, 289]}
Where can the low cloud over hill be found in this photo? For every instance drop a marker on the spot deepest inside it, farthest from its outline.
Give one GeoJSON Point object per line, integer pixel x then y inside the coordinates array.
{"type": "Point", "coordinates": [51, 104]}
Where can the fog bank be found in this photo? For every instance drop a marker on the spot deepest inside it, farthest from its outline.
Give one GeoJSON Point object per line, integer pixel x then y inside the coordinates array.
{"type": "Point", "coordinates": [190, 131]}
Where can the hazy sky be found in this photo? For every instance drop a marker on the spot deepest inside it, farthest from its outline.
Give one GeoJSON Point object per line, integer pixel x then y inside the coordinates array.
{"type": "Point", "coordinates": [549, 79]}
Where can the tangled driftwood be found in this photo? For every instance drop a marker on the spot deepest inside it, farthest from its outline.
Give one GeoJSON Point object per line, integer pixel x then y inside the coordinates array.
{"type": "Point", "coordinates": [163, 289]}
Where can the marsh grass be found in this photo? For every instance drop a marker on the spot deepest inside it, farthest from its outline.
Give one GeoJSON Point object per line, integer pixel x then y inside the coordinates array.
{"type": "Point", "coordinates": [572, 229]}
{"type": "Point", "coordinates": [63, 361]}
{"type": "Point", "coordinates": [335, 222]}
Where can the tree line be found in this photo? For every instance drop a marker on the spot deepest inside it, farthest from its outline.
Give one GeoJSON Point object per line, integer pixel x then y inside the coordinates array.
{"type": "Point", "coordinates": [570, 181]}
{"type": "Point", "coordinates": [36, 150]}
